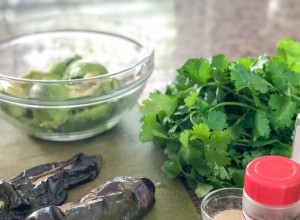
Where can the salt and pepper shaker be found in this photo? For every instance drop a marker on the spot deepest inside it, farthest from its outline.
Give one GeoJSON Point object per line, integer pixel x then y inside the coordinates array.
{"type": "Point", "coordinates": [296, 141]}
{"type": "Point", "coordinates": [272, 189]}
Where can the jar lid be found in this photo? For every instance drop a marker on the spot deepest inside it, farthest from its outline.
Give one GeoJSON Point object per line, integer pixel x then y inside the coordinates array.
{"type": "Point", "coordinates": [273, 180]}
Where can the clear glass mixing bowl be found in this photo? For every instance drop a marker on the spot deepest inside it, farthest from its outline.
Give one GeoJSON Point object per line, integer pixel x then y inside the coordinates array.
{"type": "Point", "coordinates": [71, 109]}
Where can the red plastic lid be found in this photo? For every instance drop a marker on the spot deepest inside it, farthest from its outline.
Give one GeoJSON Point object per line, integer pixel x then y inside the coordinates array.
{"type": "Point", "coordinates": [273, 180]}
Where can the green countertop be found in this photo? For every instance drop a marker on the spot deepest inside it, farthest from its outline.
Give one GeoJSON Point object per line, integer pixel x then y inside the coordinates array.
{"type": "Point", "coordinates": [179, 30]}
{"type": "Point", "coordinates": [123, 155]}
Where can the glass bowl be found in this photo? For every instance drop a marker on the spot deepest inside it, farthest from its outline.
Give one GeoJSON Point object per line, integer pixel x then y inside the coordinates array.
{"type": "Point", "coordinates": [221, 203]}
{"type": "Point", "coordinates": [73, 107]}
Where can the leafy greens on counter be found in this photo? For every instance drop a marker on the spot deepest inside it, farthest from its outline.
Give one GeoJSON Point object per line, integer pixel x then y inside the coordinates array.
{"type": "Point", "coordinates": [218, 115]}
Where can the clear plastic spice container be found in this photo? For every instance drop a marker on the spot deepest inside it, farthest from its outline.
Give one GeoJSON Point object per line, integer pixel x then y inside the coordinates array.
{"type": "Point", "coordinates": [272, 189]}
{"type": "Point", "coordinates": [296, 141]}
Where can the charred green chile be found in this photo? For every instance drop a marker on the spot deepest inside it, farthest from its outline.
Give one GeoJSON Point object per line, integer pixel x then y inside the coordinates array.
{"type": "Point", "coordinates": [45, 185]}
{"type": "Point", "coordinates": [123, 198]}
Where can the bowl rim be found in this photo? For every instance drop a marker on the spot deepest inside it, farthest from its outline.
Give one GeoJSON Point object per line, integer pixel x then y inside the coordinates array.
{"type": "Point", "coordinates": [86, 101]}
{"type": "Point", "coordinates": [147, 43]}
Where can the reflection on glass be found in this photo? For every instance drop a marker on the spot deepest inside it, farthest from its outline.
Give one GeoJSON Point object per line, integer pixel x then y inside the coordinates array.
{"type": "Point", "coordinates": [157, 18]}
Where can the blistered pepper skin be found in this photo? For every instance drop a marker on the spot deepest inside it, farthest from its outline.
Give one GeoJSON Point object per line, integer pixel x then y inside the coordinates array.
{"type": "Point", "coordinates": [123, 198]}
{"type": "Point", "coordinates": [45, 185]}
{"type": "Point", "coordinates": [48, 213]}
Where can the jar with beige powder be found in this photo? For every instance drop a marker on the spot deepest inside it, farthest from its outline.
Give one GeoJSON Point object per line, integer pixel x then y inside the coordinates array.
{"type": "Point", "coordinates": [222, 204]}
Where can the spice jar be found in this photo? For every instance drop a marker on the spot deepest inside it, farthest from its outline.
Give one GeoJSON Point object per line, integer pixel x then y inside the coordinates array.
{"type": "Point", "coordinates": [272, 189]}
{"type": "Point", "coordinates": [222, 204]}
{"type": "Point", "coordinates": [296, 140]}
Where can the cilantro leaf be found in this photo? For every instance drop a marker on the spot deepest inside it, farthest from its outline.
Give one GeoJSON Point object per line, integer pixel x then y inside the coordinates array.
{"type": "Point", "coordinates": [218, 66]}
{"type": "Point", "coordinates": [296, 67]}
{"type": "Point", "coordinates": [219, 62]}
{"type": "Point", "coordinates": [289, 50]}
{"type": "Point", "coordinates": [276, 73]}
{"type": "Point", "coordinates": [246, 62]}
{"type": "Point", "coordinates": [215, 157]}
{"type": "Point", "coordinates": [158, 102]}
{"type": "Point", "coordinates": [215, 150]}
{"type": "Point", "coordinates": [201, 166]}
{"type": "Point", "coordinates": [222, 172]}
{"type": "Point", "coordinates": [281, 150]}
{"type": "Point", "coordinates": [172, 149]}
{"type": "Point", "coordinates": [216, 120]}
{"type": "Point", "coordinates": [190, 155]}
{"type": "Point", "coordinates": [171, 169]}
{"type": "Point", "coordinates": [261, 125]}
{"type": "Point", "coordinates": [245, 78]}
{"type": "Point", "coordinates": [281, 76]}
{"type": "Point", "coordinates": [196, 69]}
{"type": "Point", "coordinates": [191, 99]}
{"type": "Point", "coordinates": [202, 189]}
{"type": "Point", "coordinates": [283, 110]}
{"type": "Point", "coordinates": [150, 128]}
{"type": "Point", "coordinates": [237, 176]}
{"type": "Point", "coordinates": [184, 138]}
{"type": "Point", "coordinates": [219, 139]}
{"type": "Point", "coordinates": [201, 132]}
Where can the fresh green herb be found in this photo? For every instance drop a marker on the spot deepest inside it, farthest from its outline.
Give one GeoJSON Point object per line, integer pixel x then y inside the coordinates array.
{"type": "Point", "coordinates": [218, 115]}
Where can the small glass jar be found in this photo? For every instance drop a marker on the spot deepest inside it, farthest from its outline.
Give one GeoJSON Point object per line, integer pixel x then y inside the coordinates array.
{"type": "Point", "coordinates": [272, 189]}
{"type": "Point", "coordinates": [296, 141]}
{"type": "Point", "coordinates": [225, 201]}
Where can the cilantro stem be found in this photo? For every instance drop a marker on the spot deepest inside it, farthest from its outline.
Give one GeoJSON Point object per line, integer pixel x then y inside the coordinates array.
{"type": "Point", "coordinates": [191, 118]}
{"type": "Point", "coordinates": [247, 134]}
{"type": "Point", "coordinates": [284, 144]}
{"type": "Point", "coordinates": [237, 94]}
{"type": "Point", "coordinates": [233, 104]}
{"type": "Point", "coordinates": [243, 140]}
{"type": "Point", "coordinates": [229, 90]}
{"type": "Point", "coordinates": [241, 144]}
{"type": "Point", "coordinates": [287, 93]}
{"type": "Point", "coordinates": [295, 97]}
{"type": "Point", "coordinates": [238, 120]}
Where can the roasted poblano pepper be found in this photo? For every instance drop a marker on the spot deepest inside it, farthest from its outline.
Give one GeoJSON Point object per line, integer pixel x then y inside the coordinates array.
{"type": "Point", "coordinates": [45, 185]}
{"type": "Point", "coordinates": [123, 198]}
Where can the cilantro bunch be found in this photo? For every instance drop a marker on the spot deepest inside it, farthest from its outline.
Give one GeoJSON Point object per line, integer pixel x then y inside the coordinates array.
{"type": "Point", "coordinates": [218, 115]}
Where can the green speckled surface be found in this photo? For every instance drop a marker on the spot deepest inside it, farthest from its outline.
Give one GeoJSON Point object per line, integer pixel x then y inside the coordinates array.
{"type": "Point", "coordinates": [179, 30]}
